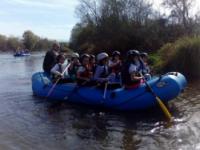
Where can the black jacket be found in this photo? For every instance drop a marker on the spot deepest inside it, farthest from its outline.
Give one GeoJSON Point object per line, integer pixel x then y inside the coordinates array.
{"type": "Point", "coordinates": [49, 61]}
{"type": "Point", "coordinates": [125, 75]}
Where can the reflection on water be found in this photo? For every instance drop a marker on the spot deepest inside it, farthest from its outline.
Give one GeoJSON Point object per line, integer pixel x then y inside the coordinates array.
{"type": "Point", "coordinates": [28, 122]}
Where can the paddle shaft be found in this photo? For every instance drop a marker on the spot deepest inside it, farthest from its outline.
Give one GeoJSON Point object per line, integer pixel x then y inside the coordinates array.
{"type": "Point", "coordinates": [161, 104]}
{"type": "Point", "coordinates": [105, 90]}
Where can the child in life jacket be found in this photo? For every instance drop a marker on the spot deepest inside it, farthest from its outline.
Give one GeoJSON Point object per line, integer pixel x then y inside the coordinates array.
{"type": "Point", "coordinates": [74, 65]}
{"type": "Point", "coordinates": [115, 64]}
{"type": "Point", "coordinates": [93, 64]}
{"type": "Point", "coordinates": [145, 69]}
{"type": "Point", "coordinates": [59, 70]}
{"type": "Point", "coordinates": [102, 74]}
{"type": "Point", "coordinates": [84, 72]}
{"type": "Point", "coordinates": [131, 77]}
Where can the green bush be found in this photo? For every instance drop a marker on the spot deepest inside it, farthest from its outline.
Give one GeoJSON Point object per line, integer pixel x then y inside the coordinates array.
{"type": "Point", "coordinates": [182, 55]}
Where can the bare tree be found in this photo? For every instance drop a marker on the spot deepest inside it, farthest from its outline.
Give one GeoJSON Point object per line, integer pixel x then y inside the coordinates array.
{"type": "Point", "coordinates": [180, 11]}
{"type": "Point", "coordinates": [88, 10]}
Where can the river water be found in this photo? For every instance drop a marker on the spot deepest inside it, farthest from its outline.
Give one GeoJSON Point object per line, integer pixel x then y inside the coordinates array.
{"type": "Point", "coordinates": [31, 123]}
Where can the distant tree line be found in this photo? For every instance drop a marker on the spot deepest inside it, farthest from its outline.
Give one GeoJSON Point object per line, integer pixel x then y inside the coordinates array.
{"type": "Point", "coordinates": [28, 41]}
{"type": "Point", "coordinates": [126, 24]}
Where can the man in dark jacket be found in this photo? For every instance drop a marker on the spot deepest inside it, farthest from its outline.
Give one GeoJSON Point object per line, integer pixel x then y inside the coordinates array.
{"type": "Point", "coordinates": [50, 58]}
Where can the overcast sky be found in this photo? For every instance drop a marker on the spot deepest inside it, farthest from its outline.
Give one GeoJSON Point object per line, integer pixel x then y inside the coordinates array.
{"type": "Point", "coordinates": [53, 19]}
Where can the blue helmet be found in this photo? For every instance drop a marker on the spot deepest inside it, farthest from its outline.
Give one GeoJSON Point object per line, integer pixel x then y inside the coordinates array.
{"type": "Point", "coordinates": [144, 54]}
{"type": "Point", "coordinates": [133, 53]}
{"type": "Point", "coordinates": [115, 53]}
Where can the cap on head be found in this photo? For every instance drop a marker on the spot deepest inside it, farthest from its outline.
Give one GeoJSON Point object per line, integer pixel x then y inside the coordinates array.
{"type": "Point", "coordinates": [133, 53]}
{"type": "Point", "coordinates": [75, 55]}
{"type": "Point", "coordinates": [144, 54]}
{"type": "Point", "coordinates": [102, 56]}
{"type": "Point", "coordinates": [116, 53]}
{"type": "Point", "coordinates": [92, 56]}
{"type": "Point", "coordinates": [85, 56]}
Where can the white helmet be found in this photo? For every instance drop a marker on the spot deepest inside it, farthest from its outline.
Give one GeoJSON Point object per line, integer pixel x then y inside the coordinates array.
{"type": "Point", "coordinates": [75, 55]}
{"type": "Point", "coordinates": [101, 56]}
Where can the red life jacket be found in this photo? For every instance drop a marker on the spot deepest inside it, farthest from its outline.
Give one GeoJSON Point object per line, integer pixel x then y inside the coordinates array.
{"type": "Point", "coordinates": [116, 68]}
{"type": "Point", "coordinates": [126, 78]}
{"type": "Point", "coordinates": [87, 73]}
{"type": "Point", "coordinates": [134, 85]}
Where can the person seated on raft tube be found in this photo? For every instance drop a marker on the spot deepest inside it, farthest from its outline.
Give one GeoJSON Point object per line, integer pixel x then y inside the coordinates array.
{"type": "Point", "coordinates": [101, 74]}
{"type": "Point", "coordinates": [84, 73]}
{"type": "Point", "coordinates": [145, 69]}
{"type": "Point", "coordinates": [57, 70]}
{"type": "Point", "coordinates": [50, 58]}
{"type": "Point", "coordinates": [115, 64]}
{"type": "Point", "coordinates": [73, 67]}
{"type": "Point", "coordinates": [131, 77]}
{"type": "Point", "coordinates": [93, 64]}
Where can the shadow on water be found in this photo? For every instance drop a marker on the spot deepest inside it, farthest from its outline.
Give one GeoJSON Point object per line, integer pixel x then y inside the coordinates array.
{"type": "Point", "coordinates": [28, 122]}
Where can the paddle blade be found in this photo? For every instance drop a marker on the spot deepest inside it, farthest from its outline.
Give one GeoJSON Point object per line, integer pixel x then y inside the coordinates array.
{"type": "Point", "coordinates": [164, 108]}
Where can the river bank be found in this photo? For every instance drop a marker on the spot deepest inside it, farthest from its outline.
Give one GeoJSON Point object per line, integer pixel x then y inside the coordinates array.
{"type": "Point", "coordinates": [181, 56]}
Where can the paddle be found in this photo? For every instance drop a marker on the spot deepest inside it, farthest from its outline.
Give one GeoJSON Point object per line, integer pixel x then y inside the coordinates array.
{"type": "Point", "coordinates": [54, 85]}
{"type": "Point", "coordinates": [105, 90]}
{"type": "Point", "coordinates": [161, 104]}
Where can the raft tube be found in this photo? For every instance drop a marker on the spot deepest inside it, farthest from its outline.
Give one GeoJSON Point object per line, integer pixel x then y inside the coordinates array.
{"type": "Point", "coordinates": [167, 87]}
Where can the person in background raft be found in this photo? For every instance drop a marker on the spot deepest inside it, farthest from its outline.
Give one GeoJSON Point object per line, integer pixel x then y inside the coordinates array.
{"type": "Point", "coordinates": [50, 58]}
{"type": "Point", "coordinates": [131, 77]}
{"type": "Point", "coordinates": [74, 65]}
{"type": "Point", "coordinates": [57, 70]}
{"type": "Point", "coordinates": [145, 67]}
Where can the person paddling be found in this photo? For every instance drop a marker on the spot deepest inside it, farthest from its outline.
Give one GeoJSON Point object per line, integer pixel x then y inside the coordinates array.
{"type": "Point", "coordinates": [145, 67]}
{"type": "Point", "coordinates": [74, 65]}
{"type": "Point", "coordinates": [84, 74]}
{"type": "Point", "coordinates": [131, 77]}
{"type": "Point", "coordinates": [50, 58]}
{"type": "Point", "coordinates": [93, 64]}
{"type": "Point", "coordinates": [57, 70]}
{"type": "Point", "coordinates": [115, 64]}
{"type": "Point", "coordinates": [102, 71]}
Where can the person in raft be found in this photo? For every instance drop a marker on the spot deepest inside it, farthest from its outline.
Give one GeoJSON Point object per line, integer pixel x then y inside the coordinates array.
{"type": "Point", "coordinates": [50, 58]}
{"type": "Point", "coordinates": [73, 67]}
{"type": "Point", "coordinates": [131, 77]}
{"type": "Point", "coordinates": [84, 72]}
{"type": "Point", "coordinates": [58, 69]}
{"type": "Point", "coordinates": [145, 67]}
{"type": "Point", "coordinates": [102, 74]}
{"type": "Point", "coordinates": [93, 64]}
{"type": "Point", "coordinates": [115, 64]}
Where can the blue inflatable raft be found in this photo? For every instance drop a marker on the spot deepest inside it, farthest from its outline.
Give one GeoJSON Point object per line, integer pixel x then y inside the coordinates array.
{"type": "Point", "coordinates": [167, 87]}
{"type": "Point", "coordinates": [21, 54]}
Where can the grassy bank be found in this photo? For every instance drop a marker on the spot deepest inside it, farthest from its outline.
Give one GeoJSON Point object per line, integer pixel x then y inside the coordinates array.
{"type": "Point", "coordinates": [182, 56]}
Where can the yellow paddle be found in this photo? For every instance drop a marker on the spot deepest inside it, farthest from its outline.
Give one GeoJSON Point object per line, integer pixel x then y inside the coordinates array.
{"type": "Point", "coordinates": [161, 104]}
